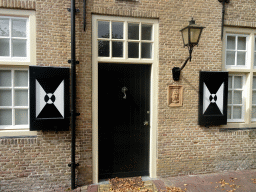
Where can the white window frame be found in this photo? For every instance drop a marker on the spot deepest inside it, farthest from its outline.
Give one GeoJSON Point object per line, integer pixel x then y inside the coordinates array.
{"type": "Point", "coordinates": [11, 57]}
{"type": "Point", "coordinates": [13, 107]}
{"type": "Point", "coordinates": [22, 64]}
{"type": "Point", "coordinates": [125, 40]}
{"type": "Point", "coordinates": [31, 37]}
{"type": "Point", "coordinates": [125, 60]}
{"type": "Point", "coordinates": [247, 71]}
{"type": "Point", "coordinates": [247, 52]}
{"type": "Point", "coordinates": [243, 98]}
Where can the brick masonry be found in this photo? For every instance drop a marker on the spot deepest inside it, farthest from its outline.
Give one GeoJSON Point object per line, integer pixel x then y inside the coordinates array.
{"type": "Point", "coordinates": [41, 162]}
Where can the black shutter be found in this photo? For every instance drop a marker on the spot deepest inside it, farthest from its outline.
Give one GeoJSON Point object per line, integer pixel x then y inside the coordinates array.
{"type": "Point", "coordinates": [49, 98]}
{"type": "Point", "coordinates": [213, 93]}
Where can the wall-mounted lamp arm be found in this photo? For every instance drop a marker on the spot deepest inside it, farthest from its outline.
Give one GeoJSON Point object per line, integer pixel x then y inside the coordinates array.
{"type": "Point", "coordinates": [176, 70]}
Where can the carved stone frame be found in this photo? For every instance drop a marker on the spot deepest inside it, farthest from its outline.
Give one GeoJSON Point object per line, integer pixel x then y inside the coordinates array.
{"type": "Point", "coordinates": [175, 95]}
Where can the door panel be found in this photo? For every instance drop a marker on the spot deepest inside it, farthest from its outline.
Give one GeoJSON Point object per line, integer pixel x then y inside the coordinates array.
{"type": "Point", "coordinates": [123, 137]}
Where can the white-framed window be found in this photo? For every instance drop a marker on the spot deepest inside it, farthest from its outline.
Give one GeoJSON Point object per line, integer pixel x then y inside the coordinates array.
{"type": "Point", "coordinates": [14, 38]}
{"type": "Point", "coordinates": [236, 86]}
{"type": "Point", "coordinates": [239, 59]}
{"type": "Point", "coordinates": [237, 51]}
{"type": "Point", "coordinates": [17, 37]}
{"type": "Point", "coordinates": [14, 98]}
{"type": "Point", "coordinates": [17, 52]}
{"type": "Point", "coordinates": [125, 39]}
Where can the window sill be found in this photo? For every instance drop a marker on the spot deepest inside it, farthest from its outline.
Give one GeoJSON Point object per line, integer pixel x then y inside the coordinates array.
{"type": "Point", "coordinates": [17, 133]}
{"type": "Point", "coordinates": [238, 126]}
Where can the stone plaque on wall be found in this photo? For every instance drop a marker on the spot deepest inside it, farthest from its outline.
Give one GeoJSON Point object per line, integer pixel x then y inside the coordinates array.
{"type": "Point", "coordinates": [175, 95]}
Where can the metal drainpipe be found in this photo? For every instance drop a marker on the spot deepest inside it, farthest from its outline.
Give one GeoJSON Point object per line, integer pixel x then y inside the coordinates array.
{"type": "Point", "coordinates": [73, 95]}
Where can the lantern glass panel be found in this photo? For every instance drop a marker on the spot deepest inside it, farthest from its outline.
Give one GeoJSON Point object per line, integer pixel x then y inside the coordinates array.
{"type": "Point", "coordinates": [194, 35]}
{"type": "Point", "coordinates": [185, 36]}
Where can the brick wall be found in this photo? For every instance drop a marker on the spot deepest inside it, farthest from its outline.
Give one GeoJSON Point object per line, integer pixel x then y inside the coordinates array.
{"type": "Point", "coordinates": [18, 4]}
{"type": "Point", "coordinates": [41, 162]}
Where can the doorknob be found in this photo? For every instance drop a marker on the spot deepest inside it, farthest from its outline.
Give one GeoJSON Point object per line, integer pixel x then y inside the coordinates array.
{"type": "Point", "coordinates": [124, 89]}
{"type": "Point", "coordinates": [146, 123]}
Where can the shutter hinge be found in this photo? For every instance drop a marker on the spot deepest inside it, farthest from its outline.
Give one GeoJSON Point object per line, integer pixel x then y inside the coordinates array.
{"type": "Point", "coordinates": [77, 114]}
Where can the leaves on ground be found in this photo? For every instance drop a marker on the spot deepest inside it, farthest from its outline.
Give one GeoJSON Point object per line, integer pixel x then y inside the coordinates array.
{"type": "Point", "coordinates": [128, 184]}
{"type": "Point", "coordinates": [224, 184]}
{"type": "Point", "coordinates": [135, 184]}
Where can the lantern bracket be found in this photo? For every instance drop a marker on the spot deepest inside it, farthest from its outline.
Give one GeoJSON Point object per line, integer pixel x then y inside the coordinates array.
{"type": "Point", "coordinates": [176, 70]}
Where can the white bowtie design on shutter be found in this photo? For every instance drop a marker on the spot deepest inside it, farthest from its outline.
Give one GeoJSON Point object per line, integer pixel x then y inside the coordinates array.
{"type": "Point", "coordinates": [213, 98]}
{"type": "Point", "coordinates": [56, 98]}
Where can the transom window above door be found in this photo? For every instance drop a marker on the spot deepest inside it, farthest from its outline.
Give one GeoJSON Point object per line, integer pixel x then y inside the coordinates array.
{"type": "Point", "coordinates": [128, 39]}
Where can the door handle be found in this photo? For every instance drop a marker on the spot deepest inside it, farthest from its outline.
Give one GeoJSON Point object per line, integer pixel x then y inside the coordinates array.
{"type": "Point", "coordinates": [124, 89]}
{"type": "Point", "coordinates": [146, 123]}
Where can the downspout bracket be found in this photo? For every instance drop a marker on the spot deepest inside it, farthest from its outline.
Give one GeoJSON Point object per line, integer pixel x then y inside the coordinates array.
{"type": "Point", "coordinates": [76, 10]}
{"type": "Point", "coordinates": [76, 164]}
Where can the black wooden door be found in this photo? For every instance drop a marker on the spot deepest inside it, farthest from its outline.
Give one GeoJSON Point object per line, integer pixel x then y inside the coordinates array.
{"type": "Point", "coordinates": [123, 104]}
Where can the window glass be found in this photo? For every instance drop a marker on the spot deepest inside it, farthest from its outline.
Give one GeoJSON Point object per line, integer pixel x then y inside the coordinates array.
{"type": "Point", "coordinates": [19, 28]}
{"type": "Point", "coordinates": [19, 47]}
{"type": "Point", "coordinates": [254, 97]}
{"type": "Point", "coordinates": [146, 50]}
{"type": "Point", "coordinates": [13, 97]}
{"type": "Point", "coordinates": [21, 98]}
{"type": "Point", "coordinates": [117, 49]}
{"type": "Point", "coordinates": [236, 52]}
{"type": "Point", "coordinates": [5, 97]}
{"type": "Point", "coordinates": [235, 98]}
{"type": "Point", "coordinates": [133, 31]}
{"type": "Point", "coordinates": [103, 29]}
{"type": "Point", "coordinates": [254, 52]}
{"type": "Point", "coordinates": [4, 27]}
{"type": "Point", "coordinates": [146, 32]}
{"type": "Point", "coordinates": [20, 78]}
{"type": "Point", "coordinates": [21, 116]}
{"type": "Point", "coordinates": [231, 43]}
{"type": "Point", "coordinates": [13, 38]}
{"type": "Point", "coordinates": [5, 78]}
{"type": "Point", "coordinates": [241, 43]}
{"type": "Point", "coordinates": [133, 50]}
{"type": "Point", "coordinates": [117, 30]}
{"type": "Point", "coordinates": [230, 58]}
{"type": "Point", "coordinates": [5, 117]}
{"type": "Point", "coordinates": [103, 47]}
{"type": "Point", "coordinates": [241, 58]}
{"type": "Point", "coordinates": [238, 82]}
{"type": "Point", "coordinates": [237, 112]}
{"type": "Point", "coordinates": [4, 48]}
{"type": "Point", "coordinates": [254, 112]}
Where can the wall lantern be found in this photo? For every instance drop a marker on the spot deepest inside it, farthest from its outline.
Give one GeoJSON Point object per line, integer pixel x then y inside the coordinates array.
{"type": "Point", "coordinates": [190, 35]}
